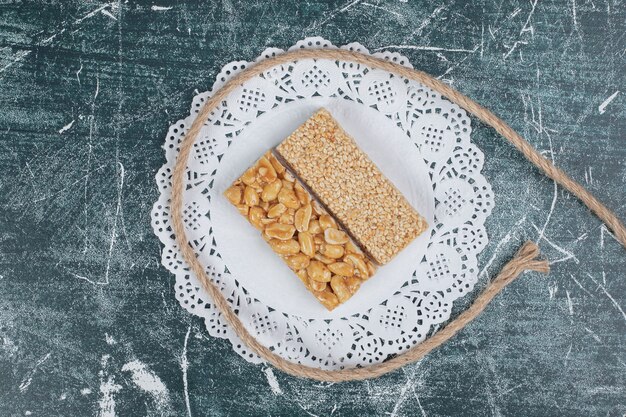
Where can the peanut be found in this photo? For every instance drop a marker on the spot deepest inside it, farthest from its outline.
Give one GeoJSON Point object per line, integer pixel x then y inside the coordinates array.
{"type": "Point", "coordinates": [286, 218]}
{"type": "Point", "coordinates": [233, 194]}
{"type": "Point", "coordinates": [288, 198]}
{"type": "Point", "coordinates": [323, 259]}
{"type": "Point", "coordinates": [280, 231]}
{"type": "Point", "coordinates": [335, 237]}
{"type": "Point", "coordinates": [359, 264]}
{"type": "Point", "coordinates": [285, 247]}
{"type": "Point", "coordinates": [341, 268]}
{"type": "Point", "coordinates": [269, 173]}
{"type": "Point", "coordinates": [307, 246]}
{"type": "Point", "coordinates": [243, 209]}
{"type": "Point", "coordinates": [317, 271]}
{"type": "Point", "coordinates": [288, 185]}
{"type": "Point", "coordinates": [338, 284]}
{"type": "Point", "coordinates": [302, 218]}
{"type": "Point", "coordinates": [327, 298]}
{"type": "Point", "coordinates": [304, 277]}
{"type": "Point", "coordinates": [333, 251]}
{"type": "Point", "coordinates": [278, 167]}
{"type": "Point", "coordinates": [316, 285]}
{"type": "Point", "coordinates": [288, 176]}
{"type": "Point", "coordinates": [270, 191]}
{"type": "Point", "coordinates": [353, 284]}
{"type": "Point", "coordinates": [249, 177]}
{"type": "Point", "coordinates": [250, 196]}
{"type": "Point", "coordinates": [326, 221]}
{"type": "Point", "coordinates": [318, 209]}
{"type": "Point", "coordinates": [314, 227]}
{"type": "Point", "coordinates": [297, 262]}
{"type": "Point", "coordinates": [302, 195]}
{"type": "Point", "coordinates": [276, 210]}
{"type": "Point", "coordinates": [255, 215]}
{"type": "Point", "coordinates": [352, 248]}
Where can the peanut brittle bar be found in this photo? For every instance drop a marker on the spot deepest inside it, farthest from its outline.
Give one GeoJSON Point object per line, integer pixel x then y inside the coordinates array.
{"type": "Point", "coordinates": [300, 231]}
{"type": "Point", "coordinates": [350, 185]}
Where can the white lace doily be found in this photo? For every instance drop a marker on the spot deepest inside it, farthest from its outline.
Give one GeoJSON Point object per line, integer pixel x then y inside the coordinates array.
{"type": "Point", "coordinates": [463, 200]}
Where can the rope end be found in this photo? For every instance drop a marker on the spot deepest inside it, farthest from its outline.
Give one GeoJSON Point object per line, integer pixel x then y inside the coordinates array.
{"type": "Point", "coordinates": [528, 256]}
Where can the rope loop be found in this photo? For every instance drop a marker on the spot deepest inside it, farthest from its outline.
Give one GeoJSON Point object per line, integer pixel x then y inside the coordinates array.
{"type": "Point", "coordinates": [525, 259]}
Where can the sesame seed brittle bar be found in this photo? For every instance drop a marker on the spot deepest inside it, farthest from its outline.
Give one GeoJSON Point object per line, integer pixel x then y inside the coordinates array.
{"type": "Point", "coordinates": [350, 185]}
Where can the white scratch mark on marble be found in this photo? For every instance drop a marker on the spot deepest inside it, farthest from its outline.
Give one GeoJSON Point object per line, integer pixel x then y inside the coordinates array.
{"type": "Point", "coordinates": [117, 213]}
{"type": "Point", "coordinates": [19, 56]}
{"type": "Point", "coordinates": [160, 8]}
{"type": "Point", "coordinates": [510, 389]}
{"type": "Point", "coordinates": [67, 127]}
{"type": "Point", "coordinates": [338, 11]}
{"type": "Point", "coordinates": [568, 352]}
{"type": "Point", "coordinates": [515, 44]}
{"type": "Point", "coordinates": [579, 284]}
{"type": "Point", "coordinates": [568, 254]}
{"type": "Point", "coordinates": [84, 278]}
{"type": "Point", "coordinates": [552, 290]}
{"type": "Point", "coordinates": [570, 305]}
{"type": "Point", "coordinates": [502, 241]}
{"type": "Point", "coordinates": [482, 40]}
{"type": "Point", "coordinates": [603, 230]}
{"type": "Point", "coordinates": [513, 13]}
{"type": "Point", "coordinates": [30, 171]}
{"type": "Point", "coordinates": [78, 73]}
{"type": "Point", "coordinates": [595, 336]}
{"type": "Point", "coordinates": [556, 188]}
{"type": "Point", "coordinates": [382, 8]}
{"type": "Point", "coordinates": [109, 339]}
{"type": "Point", "coordinates": [525, 28]}
{"type": "Point", "coordinates": [108, 388]}
{"type": "Point", "coordinates": [610, 297]}
{"type": "Point", "coordinates": [404, 390]}
{"type": "Point", "coordinates": [495, 410]}
{"type": "Point", "coordinates": [28, 378]}
{"type": "Point", "coordinates": [149, 382]}
{"type": "Point", "coordinates": [427, 48]}
{"type": "Point", "coordinates": [605, 103]}
{"type": "Point", "coordinates": [89, 154]}
{"type": "Point", "coordinates": [305, 409]}
{"type": "Point", "coordinates": [456, 65]}
{"type": "Point", "coordinates": [184, 365]}
{"type": "Point", "coordinates": [419, 403]}
{"type": "Point", "coordinates": [94, 12]}
{"type": "Point", "coordinates": [574, 18]}
{"type": "Point", "coordinates": [425, 23]}
{"type": "Point", "coordinates": [272, 381]}
{"type": "Point", "coordinates": [95, 94]}
{"type": "Point", "coordinates": [108, 13]}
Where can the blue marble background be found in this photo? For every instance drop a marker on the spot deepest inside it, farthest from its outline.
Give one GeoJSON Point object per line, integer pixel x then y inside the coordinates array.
{"type": "Point", "coordinates": [88, 320]}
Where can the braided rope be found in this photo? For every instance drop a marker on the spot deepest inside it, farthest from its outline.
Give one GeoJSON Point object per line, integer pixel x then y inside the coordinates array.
{"type": "Point", "coordinates": [525, 259]}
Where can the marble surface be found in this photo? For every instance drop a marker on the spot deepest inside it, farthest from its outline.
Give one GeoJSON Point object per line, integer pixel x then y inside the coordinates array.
{"type": "Point", "coordinates": [88, 320]}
